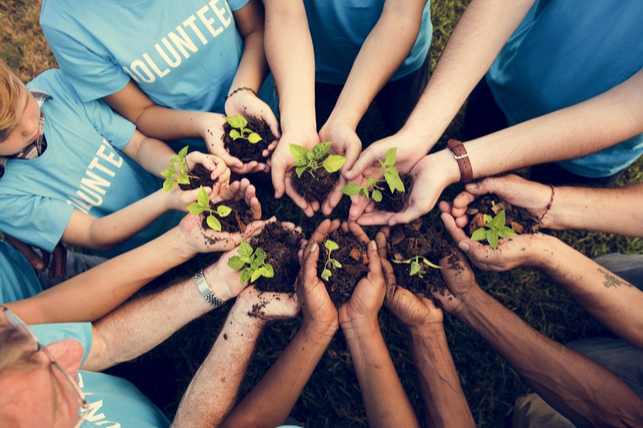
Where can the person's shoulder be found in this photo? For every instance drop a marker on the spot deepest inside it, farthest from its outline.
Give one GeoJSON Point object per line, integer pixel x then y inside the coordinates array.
{"type": "Point", "coordinates": [54, 83]}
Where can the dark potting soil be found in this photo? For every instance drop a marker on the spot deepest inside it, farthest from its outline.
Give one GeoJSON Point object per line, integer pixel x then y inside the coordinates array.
{"type": "Point", "coordinates": [236, 221]}
{"type": "Point", "coordinates": [418, 238]}
{"type": "Point", "coordinates": [281, 247]}
{"type": "Point", "coordinates": [354, 259]}
{"type": "Point", "coordinates": [396, 201]}
{"type": "Point", "coordinates": [199, 176]}
{"type": "Point", "coordinates": [519, 219]}
{"type": "Point", "coordinates": [315, 185]}
{"type": "Point", "coordinates": [244, 150]}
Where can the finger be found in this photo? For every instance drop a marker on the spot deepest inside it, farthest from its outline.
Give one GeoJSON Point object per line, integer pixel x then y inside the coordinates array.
{"type": "Point", "coordinates": [374, 262]}
{"type": "Point", "coordinates": [358, 232]}
{"type": "Point", "coordinates": [365, 159]}
{"type": "Point", "coordinates": [358, 206]}
{"type": "Point", "coordinates": [389, 278]}
{"type": "Point", "coordinates": [46, 256]}
{"type": "Point", "coordinates": [218, 150]}
{"type": "Point", "coordinates": [298, 199]}
{"type": "Point", "coordinates": [60, 261]}
{"type": "Point", "coordinates": [375, 218]}
{"type": "Point", "coordinates": [310, 264]}
{"type": "Point", "coordinates": [278, 178]}
{"type": "Point", "coordinates": [380, 239]}
{"type": "Point", "coordinates": [412, 212]}
{"type": "Point", "coordinates": [456, 233]}
{"type": "Point", "coordinates": [482, 187]}
{"type": "Point", "coordinates": [461, 203]}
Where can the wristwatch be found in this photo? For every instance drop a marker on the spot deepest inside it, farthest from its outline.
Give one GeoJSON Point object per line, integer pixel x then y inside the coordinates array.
{"type": "Point", "coordinates": [205, 291]}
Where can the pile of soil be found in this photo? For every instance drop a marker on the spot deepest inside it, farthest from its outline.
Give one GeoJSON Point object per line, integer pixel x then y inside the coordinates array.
{"type": "Point", "coordinates": [315, 186]}
{"type": "Point", "coordinates": [418, 239]}
{"type": "Point", "coordinates": [244, 150]}
{"type": "Point", "coordinates": [396, 201]}
{"type": "Point", "coordinates": [281, 247]}
{"type": "Point", "coordinates": [199, 176]}
{"type": "Point", "coordinates": [354, 259]}
{"type": "Point", "coordinates": [519, 219]}
{"type": "Point", "coordinates": [236, 221]}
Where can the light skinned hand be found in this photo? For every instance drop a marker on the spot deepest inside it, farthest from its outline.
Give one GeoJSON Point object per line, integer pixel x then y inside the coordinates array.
{"type": "Point", "coordinates": [213, 135]}
{"type": "Point", "coordinates": [58, 262]}
{"type": "Point", "coordinates": [273, 306]}
{"type": "Point", "coordinates": [409, 309]}
{"type": "Point", "coordinates": [220, 170]}
{"type": "Point", "coordinates": [241, 190]}
{"type": "Point", "coordinates": [514, 189]}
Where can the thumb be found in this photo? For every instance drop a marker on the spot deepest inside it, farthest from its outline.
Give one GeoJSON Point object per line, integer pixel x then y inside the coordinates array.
{"type": "Point", "coordinates": [365, 160]}
{"type": "Point", "coordinates": [278, 174]}
{"type": "Point", "coordinates": [310, 264]}
{"type": "Point", "coordinates": [352, 154]}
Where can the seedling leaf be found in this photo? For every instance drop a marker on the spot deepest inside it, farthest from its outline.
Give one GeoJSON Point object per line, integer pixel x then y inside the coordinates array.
{"type": "Point", "coordinates": [245, 250]}
{"type": "Point", "coordinates": [254, 138]}
{"type": "Point", "coordinates": [246, 274]}
{"type": "Point", "coordinates": [377, 195]}
{"type": "Point", "coordinates": [267, 271]}
{"type": "Point", "coordinates": [479, 235]}
{"type": "Point", "coordinates": [319, 150]}
{"type": "Point", "coordinates": [236, 263]}
{"type": "Point", "coordinates": [351, 189]}
{"type": "Point", "coordinates": [326, 274]}
{"type": "Point", "coordinates": [195, 208]}
{"type": "Point", "coordinates": [300, 170]}
{"type": "Point", "coordinates": [506, 232]}
{"type": "Point", "coordinates": [334, 163]}
{"type": "Point", "coordinates": [237, 121]}
{"type": "Point", "coordinates": [202, 198]}
{"type": "Point", "coordinates": [331, 245]}
{"type": "Point", "coordinates": [214, 223]}
{"type": "Point", "coordinates": [223, 211]}
{"type": "Point", "coordinates": [389, 159]}
{"type": "Point", "coordinates": [298, 152]}
{"type": "Point", "coordinates": [256, 274]}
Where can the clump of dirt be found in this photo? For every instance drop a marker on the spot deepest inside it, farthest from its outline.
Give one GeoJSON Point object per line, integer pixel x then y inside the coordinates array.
{"type": "Point", "coordinates": [244, 150]}
{"type": "Point", "coordinates": [199, 176]}
{"type": "Point", "coordinates": [517, 218]}
{"type": "Point", "coordinates": [236, 221]}
{"type": "Point", "coordinates": [281, 247]}
{"type": "Point", "coordinates": [418, 238]}
{"type": "Point", "coordinates": [352, 254]}
{"type": "Point", "coordinates": [315, 185]}
{"type": "Point", "coordinates": [396, 201]}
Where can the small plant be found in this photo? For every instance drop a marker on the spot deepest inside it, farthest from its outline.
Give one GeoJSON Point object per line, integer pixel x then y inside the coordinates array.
{"type": "Point", "coordinates": [179, 163]}
{"type": "Point", "coordinates": [330, 263]}
{"type": "Point", "coordinates": [416, 268]}
{"type": "Point", "coordinates": [389, 174]}
{"type": "Point", "coordinates": [239, 123]}
{"type": "Point", "coordinates": [256, 259]}
{"type": "Point", "coordinates": [203, 204]}
{"type": "Point", "coordinates": [307, 159]}
{"type": "Point", "coordinates": [493, 228]}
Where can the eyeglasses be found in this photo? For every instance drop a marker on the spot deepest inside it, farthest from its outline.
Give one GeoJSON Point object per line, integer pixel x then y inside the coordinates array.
{"type": "Point", "coordinates": [64, 378]}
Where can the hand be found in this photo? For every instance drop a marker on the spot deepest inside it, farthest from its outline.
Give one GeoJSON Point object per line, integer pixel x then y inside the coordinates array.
{"type": "Point", "coordinates": [461, 284]}
{"type": "Point", "coordinates": [58, 263]}
{"type": "Point", "coordinates": [410, 310]}
{"type": "Point", "coordinates": [345, 143]}
{"type": "Point", "coordinates": [516, 190]}
{"type": "Point", "coordinates": [430, 176]}
{"type": "Point", "coordinates": [520, 250]}
{"type": "Point", "coordinates": [268, 306]}
{"type": "Point", "coordinates": [220, 171]}
{"type": "Point", "coordinates": [241, 190]}
{"type": "Point", "coordinates": [368, 296]}
{"type": "Point", "coordinates": [212, 132]}
{"type": "Point", "coordinates": [248, 104]}
{"type": "Point", "coordinates": [282, 165]}
{"type": "Point", "coordinates": [222, 279]}
{"type": "Point", "coordinates": [315, 302]}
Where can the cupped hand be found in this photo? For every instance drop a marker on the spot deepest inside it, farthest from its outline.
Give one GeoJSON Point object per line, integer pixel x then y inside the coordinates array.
{"type": "Point", "coordinates": [208, 240]}
{"type": "Point", "coordinates": [461, 283]}
{"type": "Point", "coordinates": [220, 171]}
{"type": "Point", "coordinates": [239, 190]}
{"type": "Point", "coordinates": [212, 132]}
{"type": "Point", "coordinates": [516, 190]}
{"type": "Point", "coordinates": [410, 310]}
{"type": "Point", "coordinates": [222, 279]}
{"type": "Point", "coordinates": [345, 143]}
{"type": "Point", "coordinates": [248, 104]}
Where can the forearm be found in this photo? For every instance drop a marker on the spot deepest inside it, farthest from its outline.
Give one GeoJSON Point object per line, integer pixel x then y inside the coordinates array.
{"type": "Point", "coordinates": [580, 389]}
{"type": "Point", "coordinates": [289, 49]}
{"type": "Point", "coordinates": [384, 398]}
{"type": "Point", "coordinates": [269, 403]}
{"type": "Point", "coordinates": [446, 405]}
{"type": "Point", "coordinates": [253, 67]}
{"type": "Point", "coordinates": [473, 46]}
{"type": "Point", "coordinates": [576, 131]}
{"type": "Point", "coordinates": [613, 301]}
{"type": "Point", "coordinates": [213, 390]}
{"type": "Point", "coordinates": [98, 291]}
{"type": "Point", "coordinates": [168, 124]}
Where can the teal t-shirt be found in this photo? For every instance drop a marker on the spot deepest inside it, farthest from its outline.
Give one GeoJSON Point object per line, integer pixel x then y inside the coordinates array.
{"type": "Point", "coordinates": [18, 280]}
{"type": "Point", "coordinates": [565, 52]}
{"type": "Point", "coordinates": [114, 402]}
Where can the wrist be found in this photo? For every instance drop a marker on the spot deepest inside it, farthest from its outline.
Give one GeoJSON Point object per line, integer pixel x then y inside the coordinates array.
{"type": "Point", "coordinates": [424, 330]}
{"type": "Point", "coordinates": [360, 328]}
{"type": "Point", "coordinates": [240, 317]}
{"type": "Point", "coordinates": [217, 283]}
{"type": "Point", "coordinates": [321, 333]}
{"type": "Point", "coordinates": [445, 166]}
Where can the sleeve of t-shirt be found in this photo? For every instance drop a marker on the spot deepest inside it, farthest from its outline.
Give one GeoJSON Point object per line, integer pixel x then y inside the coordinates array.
{"type": "Point", "coordinates": [111, 125]}
{"type": "Point", "coordinates": [87, 64]}
{"type": "Point", "coordinates": [50, 333]}
{"type": "Point", "coordinates": [235, 5]}
{"type": "Point", "coordinates": [35, 220]}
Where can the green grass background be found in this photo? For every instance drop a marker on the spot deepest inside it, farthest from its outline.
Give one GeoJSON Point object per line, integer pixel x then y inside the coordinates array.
{"type": "Point", "coordinates": [332, 397]}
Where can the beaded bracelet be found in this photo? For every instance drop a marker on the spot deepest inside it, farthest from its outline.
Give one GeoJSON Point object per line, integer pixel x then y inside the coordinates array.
{"type": "Point", "coordinates": [243, 88]}
{"type": "Point", "coordinates": [551, 201]}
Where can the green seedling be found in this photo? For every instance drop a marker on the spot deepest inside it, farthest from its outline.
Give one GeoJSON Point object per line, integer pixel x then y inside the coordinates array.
{"type": "Point", "coordinates": [330, 263]}
{"type": "Point", "coordinates": [387, 173]}
{"type": "Point", "coordinates": [256, 261]}
{"type": "Point", "coordinates": [493, 229]}
{"type": "Point", "coordinates": [239, 130]}
{"type": "Point", "coordinates": [308, 159]}
{"type": "Point", "coordinates": [202, 204]}
{"type": "Point", "coordinates": [416, 268]}
{"type": "Point", "coordinates": [172, 177]}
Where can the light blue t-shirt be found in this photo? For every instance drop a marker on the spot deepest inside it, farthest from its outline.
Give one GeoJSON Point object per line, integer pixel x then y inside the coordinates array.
{"type": "Point", "coordinates": [18, 280]}
{"type": "Point", "coordinates": [82, 168]}
{"type": "Point", "coordinates": [339, 28]}
{"type": "Point", "coordinates": [114, 402]}
{"type": "Point", "coordinates": [182, 54]}
{"type": "Point", "coordinates": [563, 53]}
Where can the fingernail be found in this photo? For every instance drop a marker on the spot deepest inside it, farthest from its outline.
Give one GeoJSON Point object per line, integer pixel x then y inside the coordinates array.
{"type": "Point", "coordinates": [373, 245]}
{"type": "Point", "coordinates": [463, 246]}
{"type": "Point", "coordinates": [313, 247]}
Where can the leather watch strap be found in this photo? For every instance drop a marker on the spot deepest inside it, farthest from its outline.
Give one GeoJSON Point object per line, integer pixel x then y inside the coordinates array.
{"type": "Point", "coordinates": [462, 157]}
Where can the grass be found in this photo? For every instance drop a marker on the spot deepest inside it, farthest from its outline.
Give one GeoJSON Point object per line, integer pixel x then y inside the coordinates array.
{"type": "Point", "coordinates": [332, 397]}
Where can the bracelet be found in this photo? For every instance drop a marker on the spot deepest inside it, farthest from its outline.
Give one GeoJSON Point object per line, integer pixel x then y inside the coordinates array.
{"type": "Point", "coordinates": [551, 201]}
{"type": "Point", "coordinates": [205, 291]}
{"type": "Point", "coordinates": [462, 157]}
{"type": "Point", "coordinates": [243, 88]}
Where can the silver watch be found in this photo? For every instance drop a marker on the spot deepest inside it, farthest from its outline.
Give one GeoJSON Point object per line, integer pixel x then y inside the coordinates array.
{"type": "Point", "coordinates": [205, 291]}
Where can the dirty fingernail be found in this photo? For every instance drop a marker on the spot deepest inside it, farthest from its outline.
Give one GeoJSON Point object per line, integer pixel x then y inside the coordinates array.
{"type": "Point", "coordinates": [463, 246]}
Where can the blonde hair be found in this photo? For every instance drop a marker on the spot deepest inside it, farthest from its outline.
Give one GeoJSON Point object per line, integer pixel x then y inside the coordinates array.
{"type": "Point", "coordinates": [10, 87]}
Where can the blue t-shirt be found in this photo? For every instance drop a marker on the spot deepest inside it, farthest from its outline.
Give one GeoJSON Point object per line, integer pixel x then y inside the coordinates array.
{"type": "Point", "coordinates": [114, 402]}
{"type": "Point", "coordinates": [82, 168]}
{"type": "Point", "coordinates": [182, 54]}
{"type": "Point", "coordinates": [339, 28]}
{"type": "Point", "coordinates": [563, 53]}
{"type": "Point", "coordinates": [18, 280]}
